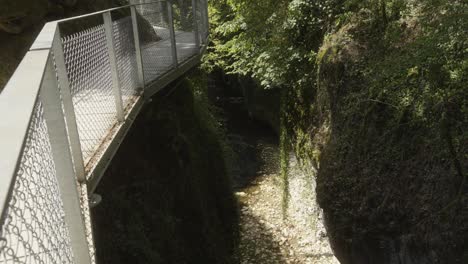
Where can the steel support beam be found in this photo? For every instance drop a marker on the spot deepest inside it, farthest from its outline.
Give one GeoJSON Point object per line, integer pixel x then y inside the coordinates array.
{"type": "Point", "coordinates": [172, 32]}
{"type": "Point", "coordinates": [136, 37]}
{"type": "Point", "coordinates": [54, 117]}
{"type": "Point", "coordinates": [113, 65]}
{"type": "Point", "coordinates": [67, 101]}
{"type": "Point", "coordinates": [196, 33]}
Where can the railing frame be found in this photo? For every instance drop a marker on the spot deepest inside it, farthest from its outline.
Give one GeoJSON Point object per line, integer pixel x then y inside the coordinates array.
{"type": "Point", "coordinates": [113, 65]}
{"type": "Point", "coordinates": [68, 108]}
{"type": "Point", "coordinates": [203, 14]}
{"type": "Point", "coordinates": [170, 12]}
{"type": "Point", "coordinates": [15, 123]}
{"type": "Point", "coordinates": [136, 37]}
{"type": "Point", "coordinates": [196, 33]}
{"type": "Point", "coordinates": [54, 117]}
{"type": "Point", "coordinates": [38, 78]}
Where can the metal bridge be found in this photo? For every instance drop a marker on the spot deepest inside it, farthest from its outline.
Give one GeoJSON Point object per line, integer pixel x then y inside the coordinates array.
{"type": "Point", "coordinates": [67, 108]}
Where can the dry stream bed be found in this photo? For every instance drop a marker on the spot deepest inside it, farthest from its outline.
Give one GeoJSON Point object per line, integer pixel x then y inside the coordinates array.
{"type": "Point", "coordinates": [267, 234]}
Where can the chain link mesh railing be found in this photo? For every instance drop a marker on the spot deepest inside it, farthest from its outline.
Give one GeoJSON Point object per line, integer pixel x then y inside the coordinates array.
{"type": "Point", "coordinates": [156, 14]}
{"type": "Point", "coordinates": [84, 200]}
{"type": "Point", "coordinates": [89, 73]}
{"type": "Point", "coordinates": [96, 74]}
{"type": "Point", "coordinates": [184, 29]}
{"type": "Point", "coordinates": [155, 37]}
{"type": "Point", "coordinates": [34, 230]}
{"type": "Point", "coordinates": [126, 59]}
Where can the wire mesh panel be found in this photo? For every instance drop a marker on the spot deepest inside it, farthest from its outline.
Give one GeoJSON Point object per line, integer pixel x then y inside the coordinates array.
{"type": "Point", "coordinates": [185, 31]}
{"type": "Point", "coordinates": [34, 230]}
{"type": "Point", "coordinates": [153, 26]}
{"type": "Point", "coordinates": [89, 73]}
{"type": "Point", "coordinates": [156, 15]}
{"type": "Point", "coordinates": [126, 59]}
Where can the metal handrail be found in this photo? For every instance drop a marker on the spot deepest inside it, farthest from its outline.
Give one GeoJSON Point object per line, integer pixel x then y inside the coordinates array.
{"type": "Point", "coordinates": [108, 10]}
{"type": "Point", "coordinates": [17, 103]}
{"type": "Point", "coordinates": [46, 36]}
{"type": "Point", "coordinates": [37, 80]}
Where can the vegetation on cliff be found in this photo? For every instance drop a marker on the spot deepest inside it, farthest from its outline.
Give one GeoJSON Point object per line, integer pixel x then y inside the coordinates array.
{"type": "Point", "coordinates": [374, 96]}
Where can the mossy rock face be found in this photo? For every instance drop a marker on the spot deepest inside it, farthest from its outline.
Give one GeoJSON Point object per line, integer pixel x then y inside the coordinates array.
{"type": "Point", "coordinates": [379, 106]}
{"type": "Point", "coordinates": [15, 16]}
{"type": "Point", "coordinates": [262, 104]}
{"type": "Point", "coordinates": [19, 15]}
{"type": "Point", "coordinates": [391, 179]}
{"type": "Point", "coordinates": [69, 3]}
{"type": "Point", "coordinates": [147, 32]}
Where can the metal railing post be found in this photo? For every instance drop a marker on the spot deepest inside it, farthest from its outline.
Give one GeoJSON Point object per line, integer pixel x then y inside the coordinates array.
{"type": "Point", "coordinates": [113, 65]}
{"type": "Point", "coordinates": [136, 37]}
{"type": "Point", "coordinates": [141, 6]}
{"type": "Point", "coordinates": [172, 32]}
{"type": "Point", "coordinates": [161, 11]}
{"type": "Point", "coordinates": [69, 111]}
{"type": "Point", "coordinates": [195, 24]}
{"type": "Point", "coordinates": [57, 130]}
{"type": "Point", "coordinates": [203, 21]}
{"type": "Point", "coordinates": [207, 19]}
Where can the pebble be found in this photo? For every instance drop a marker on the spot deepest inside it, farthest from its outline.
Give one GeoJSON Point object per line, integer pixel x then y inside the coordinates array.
{"type": "Point", "coordinates": [267, 237]}
{"type": "Point", "coordinates": [241, 194]}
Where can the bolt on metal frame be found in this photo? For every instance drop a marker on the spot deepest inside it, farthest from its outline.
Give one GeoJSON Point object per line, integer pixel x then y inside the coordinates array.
{"type": "Point", "coordinates": [46, 107]}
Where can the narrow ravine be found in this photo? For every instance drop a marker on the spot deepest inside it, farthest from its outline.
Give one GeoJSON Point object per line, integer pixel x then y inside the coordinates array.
{"type": "Point", "coordinates": [265, 235]}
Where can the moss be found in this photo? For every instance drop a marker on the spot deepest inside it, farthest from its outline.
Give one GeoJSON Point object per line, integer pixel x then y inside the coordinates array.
{"type": "Point", "coordinates": [379, 108]}
{"type": "Point", "coordinates": [383, 124]}
{"type": "Point", "coordinates": [387, 171]}
{"type": "Point", "coordinates": [285, 150]}
{"type": "Point", "coordinates": [167, 197]}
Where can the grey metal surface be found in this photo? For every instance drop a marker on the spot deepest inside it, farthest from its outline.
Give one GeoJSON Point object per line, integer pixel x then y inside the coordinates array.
{"type": "Point", "coordinates": [89, 72]}
{"type": "Point", "coordinates": [65, 176]}
{"type": "Point", "coordinates": [155, 40]}
{"type": "Point", "coordinates": [68, 107]}
{"type": "Point", "coordinates": [61, 121]}
{"type": "Point", "coordinates": [109, 29]}
{"type": "Point", "coordinates": [196, 22]}
{"type": "Point", "coordinates": [184, 22]}
{"type": "Point", "coordinates": [126, 59]}
{"type": "Point", "coordinates": [16, 117]}
{"type": "Point", "coordinates": [137, 43]}
{"type": "Point", "coordinates": [34, 230]}
{"type": "Point", "coordinates": [97, 171]}
{"type": "Point", "coordinates": [170, 11]}
{"type": "Point", "coordinates": [45, 38]}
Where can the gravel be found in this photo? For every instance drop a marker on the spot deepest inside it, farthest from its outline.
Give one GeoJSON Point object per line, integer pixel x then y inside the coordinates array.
{"type": "Point", "coordinates": [269, 236]}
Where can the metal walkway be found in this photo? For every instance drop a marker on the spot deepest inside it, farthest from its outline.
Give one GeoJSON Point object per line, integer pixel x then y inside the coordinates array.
{"type": "Point", "coordinates": [67, 108]}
